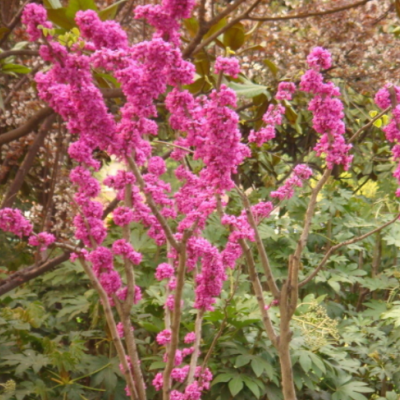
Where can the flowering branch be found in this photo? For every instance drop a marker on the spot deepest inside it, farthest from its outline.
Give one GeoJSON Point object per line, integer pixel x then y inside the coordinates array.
{"type": "Point", "coordinates": [112, 326]}
{"type": "Point", "coordinates": [152, 205]}
{"type": "Point", "coordinates": [260, 247]}
{"type": "Point", "coordinates": [269, 328]}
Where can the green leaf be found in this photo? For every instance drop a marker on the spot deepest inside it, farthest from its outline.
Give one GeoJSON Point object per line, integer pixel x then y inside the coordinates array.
{"type": "Point", "coordinates": [16, 68]}
{"type": "Point", "coordinates": [249, 89]}
{"type": "Point", "coordinates": [257, 367]}
{"type": "Point", "coordinates": [3, 31]}
{"type": "Point", "coordinates": [192, 26]}
{"type": "Point", "coordinates": [215, 28]}
{"type": "Point", "coordinates": [305, 361]}
{"type": "Point", "coordinates": [111, 11]}
{"type": "Point", "coordinates": [53, 4]}
{"type": "Point", "coordinates": [61, 19]}
{"type": "Point", "coordinates": [222, 378]}
{"type": "Point", "coordinates": [242, 360]}
{"type": "Point", "coordinates": [271, 66]}
{"type": "Point", "coordinates": [234, 37]}
{"type": "Point", "coordinates": [352, 390]}
{"type": "Point", "coordinates": [253, 387]}
{"type": "Point", "coordinates": [235, 386]}
{"type": "Point", "coordinates": [80, 5]}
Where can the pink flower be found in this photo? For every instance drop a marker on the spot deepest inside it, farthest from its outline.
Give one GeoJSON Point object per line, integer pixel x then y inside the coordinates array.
{"type": "Point", "coordinates": [123, 248]}
{"type": "Point", "coordinates": [180, 374]}
{"type": "Point", "coordinates": [285, 91]}
{"type": "Point", "coordinates": [32, 16]}
{"type": "Point", "coordinates": [111, 281]}
{"type": "Point", "coordinates": [120, 330]}
{"type": "Point", "coordinates": [123, 216]}
{"type": "Point", "coordinates": [319, 58]}
{"type": "Point", "coordinates": [12, 220]}
{"type": "Point", "coordinates": [190, 337]}
{"type": "Point", "coordinates": [158, 381]}
{"type": "Point", "coordinates": [156, 166]}
{"type": "Point", "coordinates": [228, 66]}
{"type": "Point", "coordinates": [42, 240]}
{"type": "Point", "coordinates": [164, 271]}
{"type": "Point", "coordinates": [164, 337]}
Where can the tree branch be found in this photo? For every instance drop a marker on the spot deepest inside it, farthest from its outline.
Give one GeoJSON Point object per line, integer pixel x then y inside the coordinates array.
{"type": "Point", "coordinates": [311, 14]}
{"type": "Point", "coordinates": [10, 53]}
{"type": "Point", "coordinates": [152, 204]}
{"type": "Point", "coordinates": [112, 326]}
{"type": "Point", "coordinates": [33, 271]}
{"type": "Point", "coordinates": [260, 247]}
{"type": "Point", "coordinates": [269, 328]}
{"type": "Point", "coordinates": [242, 16]}
{"type": "Point", "coordinates": [338, 246]}
{"type": "Point", "coordinates": [27, 163]}
{"type": "Point", "coordinates": [366, 126]}
{"type": "Point", "coordinates": [33, 123]}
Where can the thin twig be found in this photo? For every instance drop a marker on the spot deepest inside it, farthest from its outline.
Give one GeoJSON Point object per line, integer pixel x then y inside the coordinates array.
{"type": "Point", "coordinates": [311, 14]}
{"type": "Point", "coordinates": [339, 245]}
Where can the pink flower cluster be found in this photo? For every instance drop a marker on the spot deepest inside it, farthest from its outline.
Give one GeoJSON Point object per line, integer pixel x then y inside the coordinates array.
{"type": "Point", "coordinates": [228, 66]}
{"type": "Point", "coordinates": [392, 129]}
{"type": "Point", "coordinates": [43, 240]}
{"type": "Point", "coordinates": [192, 391]}
{"type": "Point", "coordinates": [33, 16]}
{"type": "Point", "coordinates": [327, 110]}
{"type": "Point", "coordinates": [273, 116]}
{"type": "Point", "coordinates": [165, 17]}
{"type": "Point", "coordinates": [300, 173]}
{"type": "Point", "coordinates": [12, 220]}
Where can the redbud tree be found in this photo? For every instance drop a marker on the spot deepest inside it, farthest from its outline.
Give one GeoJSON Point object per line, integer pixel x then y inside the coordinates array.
{"type": "Point", "coordinates": [153, 74]}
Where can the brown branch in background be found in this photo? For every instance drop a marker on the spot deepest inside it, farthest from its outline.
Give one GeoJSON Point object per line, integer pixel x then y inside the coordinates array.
{"type": "Point", "coordinates": [27, 128]}
{"type": "Point", "coordinates": [370, 123]}
{"type": "Point", "coordinates": [10, 53]}
{"type": "Point", "coordinates": [27, 163]}
{"type": "Point", "coordinates": [339, 245]}
{"type": "Point", "coordinates": [242, 16]}
{"type": "Point", "coordinates": [32, 123]}
{"type": "Point", "coordinates": [33, 271]}
{"type": "Point", "coordinates": [11, 26]}
{"type": "Point", "coordinates": [311, 14]}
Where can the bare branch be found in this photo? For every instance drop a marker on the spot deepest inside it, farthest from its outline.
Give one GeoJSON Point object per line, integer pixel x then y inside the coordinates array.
{"type": "Point", "coordinates": [27, 128]}
{"type": "Point", "coordinates": [366, 126]}
{"type": "Point", "coordinates": [242, 16]}
{"type": "Point", "coordinates": [10, 53]}
{"type": "Point", "coordinates": [311, 14]}
{"type": "Point", "coordinates": [27, 163]}
{"type": "Point", "coordinates": [339, 245]}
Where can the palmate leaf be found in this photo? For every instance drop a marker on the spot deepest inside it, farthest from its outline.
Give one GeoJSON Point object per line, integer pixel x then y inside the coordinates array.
{"type": "Point", "coordinates": [352, 390]}
{"type": "Point", "coordinates": [393, 315]}
{"type": "Point", "coordinates": [26, 360]}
